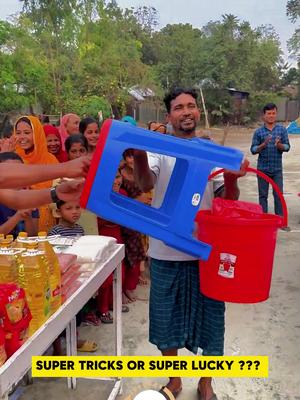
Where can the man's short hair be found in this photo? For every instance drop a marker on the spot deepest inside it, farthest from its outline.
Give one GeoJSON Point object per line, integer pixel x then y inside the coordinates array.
{"type": "Point", "coordinates": [174, 93]}
{"type": "Point", "coordinates": [59, 204]}
{"type": "Point", "coordinates": [269, 107]}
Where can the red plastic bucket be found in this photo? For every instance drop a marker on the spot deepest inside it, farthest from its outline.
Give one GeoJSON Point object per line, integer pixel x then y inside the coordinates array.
{"type": "Point", "coordinates": [239, 269]}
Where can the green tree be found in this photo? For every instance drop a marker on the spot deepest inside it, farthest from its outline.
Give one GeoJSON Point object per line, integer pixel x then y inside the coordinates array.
{"type": "Point", "coordinates": [239, 56]}
{"type": "Point", "coordinates": [178, 55]}
{"type": "Point", "coordinates": [291, 76]}
{"type": "Point", "coordinates": [147, 17]}
{"type": "Point", "coordinates": [22, 73]}
{"type": "Point", "coordinates": [293, 12]}
{"type": "Point", "coordinates": [84, 48]}
{"type": "Point", "coordinates": [61, 53]}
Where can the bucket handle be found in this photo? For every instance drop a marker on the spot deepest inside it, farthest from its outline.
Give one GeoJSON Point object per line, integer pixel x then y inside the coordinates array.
{"type": "Point", "coordinates": [272, 183]}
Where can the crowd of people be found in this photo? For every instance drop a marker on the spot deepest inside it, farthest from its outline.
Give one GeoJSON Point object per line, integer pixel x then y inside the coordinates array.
{"type": "Point", "coordinates": [180, 316]}
{"type": "Point", "coordinates": [35, 141]}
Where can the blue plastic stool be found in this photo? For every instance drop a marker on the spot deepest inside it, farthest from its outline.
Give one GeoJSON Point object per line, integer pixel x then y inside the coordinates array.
{"type": "Point", "coordinates": [173, 222]}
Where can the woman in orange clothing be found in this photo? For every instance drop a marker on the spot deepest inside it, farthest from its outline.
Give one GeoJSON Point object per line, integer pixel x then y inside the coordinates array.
{"type": "Point", "coordinates": [31, 146]}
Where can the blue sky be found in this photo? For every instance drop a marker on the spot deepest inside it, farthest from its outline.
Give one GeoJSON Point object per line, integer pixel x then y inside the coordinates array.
{"type": "Point", "coordinates": [199, 12]}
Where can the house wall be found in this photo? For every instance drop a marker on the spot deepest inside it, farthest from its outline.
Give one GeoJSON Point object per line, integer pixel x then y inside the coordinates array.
{"type": "Point", "coordinates": [288, 110]}
{"type": "Point", "coordinates": [150, 112]}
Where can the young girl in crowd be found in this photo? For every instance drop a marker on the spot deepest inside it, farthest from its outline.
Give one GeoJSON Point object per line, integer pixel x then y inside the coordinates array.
{"type": "Point", "coordinates": [107, 228]}
{"type": "Point", "coordinates": [54, 143]}
{"type": "Point", "coordinates": [76, 146]}
{"type": "Point", "coordinates": [69, 214]}
{"type": "Point", "coordinates": [69, 125]}
{"type": "Point", "coordinates": [135, 254]}
{"type": "Point", "coordinates": [130, 186]}
{"type": "Point", "coordinates": [89, 127]}
{"type": "Point", "coordinates": [12, 221]}
{"type": "Point", "coordinates": [31, 146]}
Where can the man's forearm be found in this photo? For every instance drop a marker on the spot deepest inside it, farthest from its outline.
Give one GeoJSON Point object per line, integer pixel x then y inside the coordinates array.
{"type": "Point", "coordinates": [260, 147]}
{"type": "Point", "coordinates": [143, 176]}
{"type": "Point", "coordinates": [20, 199]}
{"type": "Point", "coordinates": [19, 175]}
{"type": "Point", "coordinates": [231, 189]}
{"type": "Point", "coordinates": [282, 147]}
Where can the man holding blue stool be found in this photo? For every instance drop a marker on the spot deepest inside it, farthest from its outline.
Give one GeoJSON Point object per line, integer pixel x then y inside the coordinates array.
{"type": "Point", "coordinates": [180, 316]}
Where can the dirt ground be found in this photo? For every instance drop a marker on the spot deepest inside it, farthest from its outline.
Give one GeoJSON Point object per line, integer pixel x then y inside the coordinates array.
{"type": "Point", "coordinates": [271, 328]}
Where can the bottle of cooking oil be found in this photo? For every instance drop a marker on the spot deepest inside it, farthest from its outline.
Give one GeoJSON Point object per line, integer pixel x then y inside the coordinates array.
{"type": "Point", "coordinates": [8, 262]}
{"type": "Point", "coordinates": [33, 277]}
{"type": "Point", "coordinates": [21, 240]}
{"type": "Point", "coordinates": [54, 271]}
{"type": "Point", "coordinates": [10, 238]}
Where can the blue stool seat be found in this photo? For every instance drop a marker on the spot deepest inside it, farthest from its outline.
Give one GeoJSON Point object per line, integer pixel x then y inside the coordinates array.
{"type": "Point", "coordinates": [173, 222]}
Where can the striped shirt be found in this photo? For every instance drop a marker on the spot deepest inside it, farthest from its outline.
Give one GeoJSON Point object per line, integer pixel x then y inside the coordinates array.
{"type": "Point", "coordinates": [75, 230]}
{"type": "Point", "coordinates": [270, 158]}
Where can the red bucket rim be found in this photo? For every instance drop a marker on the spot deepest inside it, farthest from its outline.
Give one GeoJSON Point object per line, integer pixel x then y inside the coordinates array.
{"type": "Point", "coordinates": [273, 184]}
{"type": "Point", "coordinates": [265, 220]}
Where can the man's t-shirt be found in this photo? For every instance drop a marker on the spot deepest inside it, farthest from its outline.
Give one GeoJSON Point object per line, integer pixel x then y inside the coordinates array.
{"type": "Point", "coordinates": [162, 166]}
{"type": "Point", "coordinates": [6, 213]}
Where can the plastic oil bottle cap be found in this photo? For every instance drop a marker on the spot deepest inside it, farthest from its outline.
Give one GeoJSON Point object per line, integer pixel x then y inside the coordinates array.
{"type": "Point", "coordinates": [32, 245]}
{"type": "Point", "coordinates": [5, 242]}
{"type": "Point", "coordinates": [42, 234]}
{"type": "Point", "coordinates": [23, 235]}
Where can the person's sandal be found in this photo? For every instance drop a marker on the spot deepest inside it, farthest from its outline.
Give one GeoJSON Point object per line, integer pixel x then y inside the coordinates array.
{"type": "Point", "coordinates": [106, 318]}
{"type": "Point", "coordinates": [168, 395]}
{"type": "Point", "coordinates": [125, 308]}
{"type": "Point", "coordinates": [200, 397]}
{"type": "Point", "coordinates": [88, 346]}
{"type": "Point", "coordinates": [91, 319]}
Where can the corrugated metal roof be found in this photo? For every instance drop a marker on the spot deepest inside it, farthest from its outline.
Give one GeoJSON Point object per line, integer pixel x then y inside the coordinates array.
{"type": "Point", "coordinates": [140, 94]}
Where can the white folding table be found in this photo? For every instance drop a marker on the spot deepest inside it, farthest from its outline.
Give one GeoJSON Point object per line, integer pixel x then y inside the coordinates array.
{"type": "Point", "coordinates": [65, 318]}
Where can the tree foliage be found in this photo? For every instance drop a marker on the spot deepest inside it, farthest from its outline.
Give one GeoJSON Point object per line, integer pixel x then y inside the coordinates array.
{"type": "Point", "coordinates": [293, 12]}
{"type": "Point", "coordinates": [147, 17]}
{"type": "Point", "coordinates": [78, 55]}
{"type": "Point", "coordinates": [63, 51]}
{"type": "Point", "coordinates": [223, 54]}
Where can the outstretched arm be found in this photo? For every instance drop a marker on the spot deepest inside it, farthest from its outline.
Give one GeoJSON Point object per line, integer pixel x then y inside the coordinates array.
{"type": "Point", "coordinates": [231, 189]}
{"type": "Point", "coordinates": [143, 176]}
{"type": "Point", "coordinates": [20, 199]}
{"type": "Point", "coordinates": [20, 175]}
{"type": "Point", "coordinates": [257, 146]}
{"type": "Point", "coordinates": [11, 223]}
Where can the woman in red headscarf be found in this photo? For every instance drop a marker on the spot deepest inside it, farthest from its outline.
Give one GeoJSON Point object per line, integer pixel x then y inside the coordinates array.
{"type": "Point", "coordinates": [54, 143]}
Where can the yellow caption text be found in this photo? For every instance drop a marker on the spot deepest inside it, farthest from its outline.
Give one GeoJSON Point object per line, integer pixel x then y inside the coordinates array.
{"type": "Point", "coordinates": [147, 366]}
